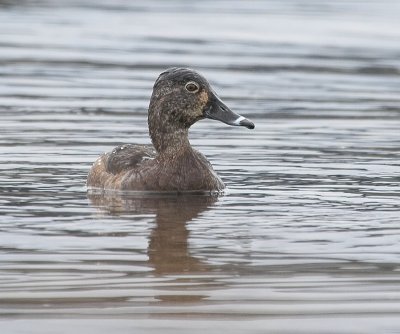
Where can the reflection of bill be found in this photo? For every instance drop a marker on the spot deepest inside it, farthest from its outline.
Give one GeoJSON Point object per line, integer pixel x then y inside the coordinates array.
{"type": "Point", "coordinates": [168, 249]}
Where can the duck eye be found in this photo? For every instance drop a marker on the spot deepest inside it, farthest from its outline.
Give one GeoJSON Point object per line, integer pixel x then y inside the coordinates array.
{"type": "Point", "coordinates": [192, 87]}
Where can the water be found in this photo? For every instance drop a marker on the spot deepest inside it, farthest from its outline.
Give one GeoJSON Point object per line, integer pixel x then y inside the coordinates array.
{"type": "Point", "coordinates": [306, 240]}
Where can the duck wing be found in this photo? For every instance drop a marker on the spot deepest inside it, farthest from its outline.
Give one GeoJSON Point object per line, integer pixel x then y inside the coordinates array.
{"type": "Point", "coordinates": [128, 157]}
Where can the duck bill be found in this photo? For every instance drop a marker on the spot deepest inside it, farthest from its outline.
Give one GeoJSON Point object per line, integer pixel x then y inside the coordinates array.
{"type": "Point", "coordinates": [216, 109]}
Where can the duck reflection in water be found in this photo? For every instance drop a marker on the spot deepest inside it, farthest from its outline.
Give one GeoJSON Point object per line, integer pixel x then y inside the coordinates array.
{"type": "Point", "coordinates": [168, 248]}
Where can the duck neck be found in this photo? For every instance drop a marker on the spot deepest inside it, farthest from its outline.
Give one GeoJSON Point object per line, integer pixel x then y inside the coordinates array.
{"type": "Point", "coordinates": [170, 142]}
{"type": "Point", "coordinates": [169, 135]}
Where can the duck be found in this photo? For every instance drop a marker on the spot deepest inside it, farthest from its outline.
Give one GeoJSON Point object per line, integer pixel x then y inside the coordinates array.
{"type": "Point", "coordinates": [181, 97]}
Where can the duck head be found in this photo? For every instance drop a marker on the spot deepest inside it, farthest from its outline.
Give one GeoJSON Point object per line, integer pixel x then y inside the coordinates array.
{"type": "Point", "coordinates": [182, 96]}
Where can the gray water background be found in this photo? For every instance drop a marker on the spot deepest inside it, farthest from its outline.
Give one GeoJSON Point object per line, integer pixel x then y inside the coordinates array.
{"type": "Point", "coordinates": [307, 238]}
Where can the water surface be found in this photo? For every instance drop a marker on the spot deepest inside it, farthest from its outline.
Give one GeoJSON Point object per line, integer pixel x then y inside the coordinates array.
{"type": "Point", "coordinates": [306, 240]}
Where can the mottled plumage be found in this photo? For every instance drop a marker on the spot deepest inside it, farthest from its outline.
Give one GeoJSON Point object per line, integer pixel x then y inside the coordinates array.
{"type": "Point", "coordinates": [180, 98]}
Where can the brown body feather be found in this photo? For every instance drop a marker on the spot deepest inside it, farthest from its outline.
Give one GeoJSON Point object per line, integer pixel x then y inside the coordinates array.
{"type": "Point", "coordinates": [137, 167]}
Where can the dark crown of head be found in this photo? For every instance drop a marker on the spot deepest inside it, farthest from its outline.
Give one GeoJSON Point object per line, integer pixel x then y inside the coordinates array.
{"type": "Point", "coordinates": [179, 74]}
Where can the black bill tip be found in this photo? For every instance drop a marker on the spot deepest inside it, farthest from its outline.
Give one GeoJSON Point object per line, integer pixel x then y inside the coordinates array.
{"type": "Point", "coordinates": [241, 121]}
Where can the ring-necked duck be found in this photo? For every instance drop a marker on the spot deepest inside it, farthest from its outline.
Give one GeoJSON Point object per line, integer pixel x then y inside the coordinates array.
{"type": "Point", "coordinates": [180, 98]}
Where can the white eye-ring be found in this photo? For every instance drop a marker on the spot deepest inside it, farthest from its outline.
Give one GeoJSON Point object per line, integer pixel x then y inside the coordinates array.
{"type": "Point", "coordinates": [192, 87]}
